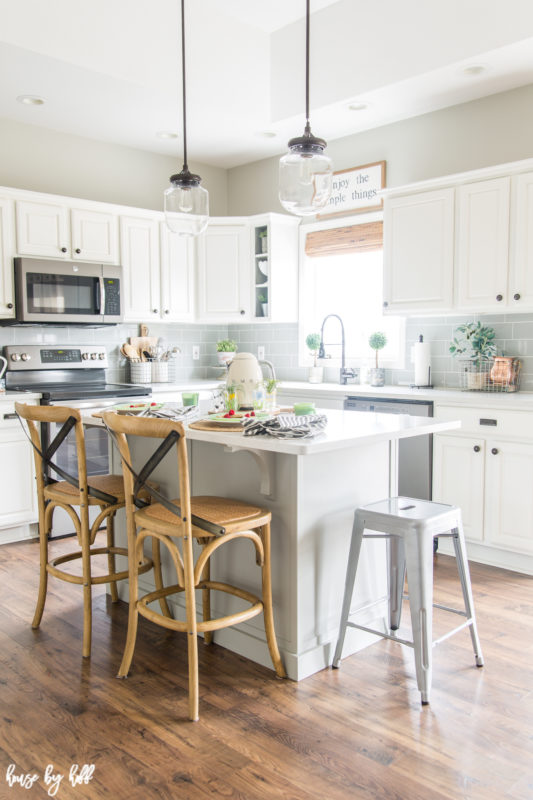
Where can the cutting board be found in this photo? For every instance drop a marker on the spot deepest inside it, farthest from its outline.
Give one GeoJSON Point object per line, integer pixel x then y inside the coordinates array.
{"type": "Point", "coordinates": [143, 342]}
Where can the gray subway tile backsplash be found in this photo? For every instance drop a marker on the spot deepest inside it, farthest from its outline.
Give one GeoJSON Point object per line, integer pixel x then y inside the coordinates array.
{"type": "Point", "coordinates": [514, 337]}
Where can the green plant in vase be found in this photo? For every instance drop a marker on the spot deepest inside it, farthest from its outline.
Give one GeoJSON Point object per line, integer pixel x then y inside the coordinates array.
{"type": "Point", "coordinates": [226, 349]}
{"type": "Point", "coordinates": [377, 342]}
{"type": "Point", "coordinates": [474, 343]}
{"type": "Point", "coordinates": [316, 373]}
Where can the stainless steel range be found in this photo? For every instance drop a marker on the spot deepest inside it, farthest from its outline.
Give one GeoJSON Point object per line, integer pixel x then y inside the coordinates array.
{"type": "Point", "coordinates": [70, 375]}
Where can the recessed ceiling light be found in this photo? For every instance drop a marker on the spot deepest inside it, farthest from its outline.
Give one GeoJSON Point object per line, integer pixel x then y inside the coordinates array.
{"type": "Point", "coordinates": [474, 69]}
{"type": "Point", "coordinates": [266, 134]}
{"type": "Point", "coordinates": [30, 100]}
{"type": "Point", "coordinates": [166, 135]}
{"type": "Point", "coordinates": [358, 106]}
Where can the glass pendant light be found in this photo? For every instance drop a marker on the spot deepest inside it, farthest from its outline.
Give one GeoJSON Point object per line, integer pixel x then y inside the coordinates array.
{"type": "Point", "coordinates": [305, 172]}
{"type": "Point", "coordinates": [186, 201]}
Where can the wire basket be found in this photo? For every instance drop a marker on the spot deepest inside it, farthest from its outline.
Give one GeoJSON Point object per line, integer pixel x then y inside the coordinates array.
{"type": "Point", "coordinates": [498, 374]}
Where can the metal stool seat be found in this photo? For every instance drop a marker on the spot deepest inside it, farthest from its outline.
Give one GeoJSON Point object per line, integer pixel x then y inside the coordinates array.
{"type": "Point", "coordinates": [410, 526]}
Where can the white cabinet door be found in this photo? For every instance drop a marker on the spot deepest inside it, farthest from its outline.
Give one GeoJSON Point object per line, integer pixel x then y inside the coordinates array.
{"type": "Point", "coordinates": [483, 244]}
{"type": "Point", "coordinates": [7, 295]}
{"type": "Point", "coordinates": [42, 230]}
{"type": "Point", "coordinates": [419, 252]}
{"type": "Point", "coordinates": [224, 286]}
{"type": "Point", "coordinates": [458, 479]}
{"type": "Point", "coordinates": [509, 495]}
{"type": "Point", "coordinates": [94, 236]}
{"type": "Point", "coordinates": [19, 503]}
{"type": "Point", "coordinates": [139, 243]}
{"type": "Point", "coordinates": [177, 276]}
{"type": "Point", "coordinates": [521, 255]}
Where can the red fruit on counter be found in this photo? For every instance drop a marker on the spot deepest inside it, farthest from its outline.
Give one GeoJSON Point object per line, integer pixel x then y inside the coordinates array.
{"type": "Point", "coordinates": [252, 413]}
{"type": "Point", "coordinates": [153, 404]}
{"type": "Point", "coordinates": [231, 413]}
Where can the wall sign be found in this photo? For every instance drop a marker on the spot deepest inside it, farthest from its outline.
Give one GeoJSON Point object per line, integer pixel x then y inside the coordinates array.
{"type": "Point", "coordinates": [356, 190]}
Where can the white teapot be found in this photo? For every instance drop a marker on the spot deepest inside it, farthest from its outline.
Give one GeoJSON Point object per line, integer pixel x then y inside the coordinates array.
{"type": "Point", "coordinates": [245, 373]}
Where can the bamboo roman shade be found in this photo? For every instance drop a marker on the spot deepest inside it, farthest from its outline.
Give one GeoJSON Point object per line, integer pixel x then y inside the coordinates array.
{"type": "Point", "coordinates": [349, 239]}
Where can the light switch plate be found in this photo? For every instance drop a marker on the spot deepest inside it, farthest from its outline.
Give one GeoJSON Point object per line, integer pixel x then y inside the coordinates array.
{"type": "Point", "coordinates": [196, 352]}
{"type": "Point", "coordinates": [261, 352]}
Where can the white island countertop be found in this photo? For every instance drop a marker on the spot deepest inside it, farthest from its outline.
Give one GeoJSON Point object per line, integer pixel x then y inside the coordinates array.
{"type": "Point", "coordinates": [344, 429]}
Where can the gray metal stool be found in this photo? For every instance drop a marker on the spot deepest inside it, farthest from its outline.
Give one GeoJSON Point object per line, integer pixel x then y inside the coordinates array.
{"type": "Point", "coordinates": [410, 527]}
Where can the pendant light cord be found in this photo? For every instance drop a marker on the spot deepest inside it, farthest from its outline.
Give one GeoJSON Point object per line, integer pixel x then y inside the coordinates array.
{"type": "Point", "coordinates": [185, 166]}
{"type": "Point", "coordinates": [307, 38]}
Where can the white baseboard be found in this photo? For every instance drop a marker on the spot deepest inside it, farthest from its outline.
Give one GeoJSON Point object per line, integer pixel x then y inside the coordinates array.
{"type": "Point", "coordinates": [493, 556]}
{"type": "Point", "coordinates": [19, 533]}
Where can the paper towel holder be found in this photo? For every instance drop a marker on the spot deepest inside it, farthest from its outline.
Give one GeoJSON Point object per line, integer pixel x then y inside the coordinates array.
{"type": "Point", "coordinates": [429, 384]}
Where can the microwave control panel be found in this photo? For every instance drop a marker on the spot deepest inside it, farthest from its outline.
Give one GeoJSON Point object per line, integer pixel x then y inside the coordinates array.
{"type": "Point", "coordinates": [112, 297]}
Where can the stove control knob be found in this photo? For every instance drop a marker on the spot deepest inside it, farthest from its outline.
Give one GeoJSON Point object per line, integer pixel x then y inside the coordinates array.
{"type": "Point", "coordinates": [85, 356]}
{"type": "Point", "coordinates": [93, 356]}
{"type": "Point", "coordinates": [25, 356]}
{"type": "Point", "coordinates": [15, 357]}
{"type": "Point", "coordinates": [101, 356]}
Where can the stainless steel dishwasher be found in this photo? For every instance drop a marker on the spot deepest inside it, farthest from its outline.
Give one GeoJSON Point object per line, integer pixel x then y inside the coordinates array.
{"type": "Point", "coordinates": [415, 454]}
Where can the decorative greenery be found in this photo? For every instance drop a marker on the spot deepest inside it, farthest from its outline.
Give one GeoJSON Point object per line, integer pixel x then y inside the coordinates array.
{"type": "Point", "coordinates": [313, 343]}
{"type": "Point", "coordinates": [226, 346]}
{"type": "Point", "coordinates": [474, 341]}
{"type": "Point", "coordinates": [377, 342]}
{"type": "Point", "coordinates": [263, 233]}
{"type": "Point", "coordinates": [262, 298]}
{"type": "Point", "coordinates": [270, 385]}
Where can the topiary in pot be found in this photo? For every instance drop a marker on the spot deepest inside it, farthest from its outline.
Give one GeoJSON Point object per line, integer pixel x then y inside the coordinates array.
{"type": "Point", "coordinates": [316, 373]}
{"type": "Point", "coordinates": [377, 342]}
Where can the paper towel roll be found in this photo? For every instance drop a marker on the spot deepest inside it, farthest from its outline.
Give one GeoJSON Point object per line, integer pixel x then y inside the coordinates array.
{"type": "Point", "coordinates": [422, 362]}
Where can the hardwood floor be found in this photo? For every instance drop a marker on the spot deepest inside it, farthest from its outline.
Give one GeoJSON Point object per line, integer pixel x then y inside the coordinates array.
{"type": "Point", "coordinates": [357, 732]}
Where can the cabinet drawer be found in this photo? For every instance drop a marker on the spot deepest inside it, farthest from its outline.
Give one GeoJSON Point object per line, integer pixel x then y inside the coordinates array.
{"type": "Point", "coordinates": [489, 422]}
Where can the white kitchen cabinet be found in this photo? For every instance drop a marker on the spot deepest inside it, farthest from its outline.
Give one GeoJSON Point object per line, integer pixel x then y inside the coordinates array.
{"type": "Point", "coordinates": [274, 267]}
{"type": "Point", "coordinates": [139, 243]}
{"type": "Point", "coordinates": [7, 294]}
{"type": "Point", "coordinates": [419, 252]}
{"type": "Point", "coordinates": [483, 244]}
{"type": "Point", "coordinates": [177, 276]}
{"type": "Point", "coordinates": [459, 478]}
{"type": "Point", "coordinates": [487, 470]}
{"type": "Point", "coordinates": [19, 496]}
{"type": "Point", "coordinates": [520, 288]}
{"type": "Point", "coordinates": [56, 231]}
{"type": "Point", "coordinates": [224, 273]}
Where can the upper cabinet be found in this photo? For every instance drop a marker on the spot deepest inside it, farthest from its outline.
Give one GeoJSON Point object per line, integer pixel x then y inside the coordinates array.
{"type": "Point", "coordinates": [139, 241]}
{"type": "Point", "coordinates": [224, 274]}
{"type": "Point", "coordinates": [177, 276]}
{"type": "Point", "coordinates": [463, 247]}
{"type": "Point", "coordinates": [418, 252]}
{"type": "Point", "coordinates": [7, 295]}
{"type": "Point", "coordinates": [274, 267]}
{"type": "Point", "coordinates": [56, 231]}
{"type": "Point", "coordinates": [483, 244]}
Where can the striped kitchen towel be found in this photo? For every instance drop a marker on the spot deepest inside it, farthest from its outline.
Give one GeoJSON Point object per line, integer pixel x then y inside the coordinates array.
{"type": "Point", "coordinates": [287, 426]}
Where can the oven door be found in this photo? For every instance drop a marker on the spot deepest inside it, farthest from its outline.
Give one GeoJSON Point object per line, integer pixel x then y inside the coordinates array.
{"type": "Point", "coordinates": [59, 292]}
{"type": "Point", "coordinates": [97, 451]}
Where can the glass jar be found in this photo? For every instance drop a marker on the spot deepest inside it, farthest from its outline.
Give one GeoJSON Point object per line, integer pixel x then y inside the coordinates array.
{"type": "Point", "coordinates": [231, 400]}
{"type": "Point", "coordinates": [258, 396]}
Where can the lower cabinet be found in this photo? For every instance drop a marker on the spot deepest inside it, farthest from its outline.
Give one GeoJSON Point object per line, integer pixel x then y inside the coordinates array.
{"type": "Point", "coordinates": [17, 483]}
{"type": "Point", "coordinates": [490, 477]}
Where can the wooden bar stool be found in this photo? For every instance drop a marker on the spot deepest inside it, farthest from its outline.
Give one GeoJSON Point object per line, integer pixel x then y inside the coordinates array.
{"type": "Point", "coordinates": [105, 491]}
{"type": "Point", "coordinates": [410, 526]}
{"type": "Point", "coordinates": [213, 522]}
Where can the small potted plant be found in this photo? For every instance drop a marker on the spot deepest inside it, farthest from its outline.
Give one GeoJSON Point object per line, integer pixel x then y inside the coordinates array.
{"type": "Point", "coordinates": [262, 299]}
{"type": "Point", "coordinates": [474, 343]}
{"type": "Point", "coordinates": [226, 349]}
{"type": "Point", "coordinates": [316, 373]}
{"type": "Point", "coordinates": [377, 342]}
{"type": "Point", "coordinates": [270, 397]}
{"type": "Point", "coordinates": [263, 239]}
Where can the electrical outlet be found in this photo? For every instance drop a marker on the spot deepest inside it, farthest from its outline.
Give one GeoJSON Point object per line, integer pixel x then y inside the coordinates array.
{"type": "Point", "coordinates": [196, 352]}
{"type": "Point", "coordinates": [261, 352]}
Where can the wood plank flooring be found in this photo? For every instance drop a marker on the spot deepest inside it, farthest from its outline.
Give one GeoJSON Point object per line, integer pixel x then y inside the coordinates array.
{"type": "Point", "coordinates": [357, 732]}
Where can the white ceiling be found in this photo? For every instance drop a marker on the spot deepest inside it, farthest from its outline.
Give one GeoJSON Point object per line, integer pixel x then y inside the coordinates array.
{"type": "Point", "coordinates": [110, 69]}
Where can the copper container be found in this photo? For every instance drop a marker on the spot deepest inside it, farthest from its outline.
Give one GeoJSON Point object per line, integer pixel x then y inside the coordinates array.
{"type": "Point", "coordinates": [504, 370]}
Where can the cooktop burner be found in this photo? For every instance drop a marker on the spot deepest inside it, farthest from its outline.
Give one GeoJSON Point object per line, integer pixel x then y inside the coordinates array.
{"type": "Point", "coordinates": [73, 391]}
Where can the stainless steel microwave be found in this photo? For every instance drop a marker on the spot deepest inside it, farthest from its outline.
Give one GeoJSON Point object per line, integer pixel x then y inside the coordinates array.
{"type": "Point", "coordinates": [62, 292]}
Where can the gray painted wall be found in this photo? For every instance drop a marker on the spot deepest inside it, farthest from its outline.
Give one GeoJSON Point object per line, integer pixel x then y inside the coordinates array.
{"type": "Point", "coordinates": [42, 160]}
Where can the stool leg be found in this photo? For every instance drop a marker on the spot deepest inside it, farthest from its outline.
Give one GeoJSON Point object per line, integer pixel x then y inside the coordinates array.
{"type": "Point", "coordinates": [158, 576]}
{"type": "Point", "coordinates": [268, 613]}
{"type": "Point", "coordinates": [464, 576]}
{"type": "Point", "coordinates": [419, 558]}
{"type": "Point", "coordinates": [111, 561]}
{"type": "Point", "coordinates": [206, 601]}
{"type": "Point", "coordinates": [87, 581]}
{"type": "Point", "coordinates": [135, 556]}
{"type": "Point", "coordinates": [45, 526]}
{"type": "Point", "coordinates": [353, 559]}
{"type": "Point", "coordinates": [396, 565]}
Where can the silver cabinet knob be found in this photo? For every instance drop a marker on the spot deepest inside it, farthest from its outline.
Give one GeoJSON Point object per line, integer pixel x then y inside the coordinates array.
{"type": "Point", "coordinates": [167, 311]}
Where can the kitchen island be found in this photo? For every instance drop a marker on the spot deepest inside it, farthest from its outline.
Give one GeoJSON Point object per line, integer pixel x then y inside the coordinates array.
{"type": "Point", "coordinates": [312, 487]}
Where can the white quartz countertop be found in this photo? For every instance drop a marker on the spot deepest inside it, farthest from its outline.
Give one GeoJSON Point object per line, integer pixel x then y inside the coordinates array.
{"type": "Point", "coordinates": [344, 429]}
{"type": "Point", "coordinates": [16, 396]}
{"type": "Point", "coordinates": [508, 400]}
